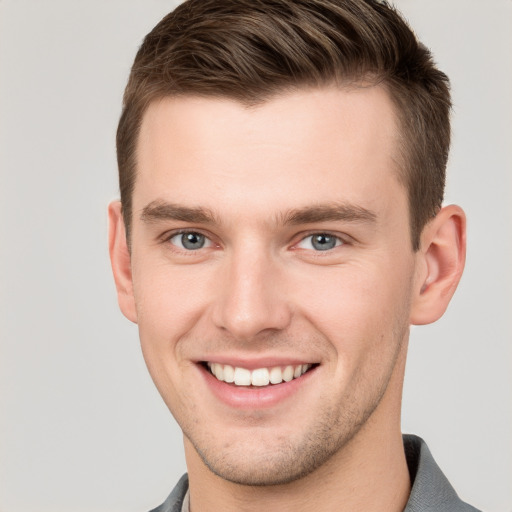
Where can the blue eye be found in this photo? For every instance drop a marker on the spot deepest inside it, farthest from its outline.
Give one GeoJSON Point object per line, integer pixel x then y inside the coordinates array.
{"type": "Point", "coordinates": [320, 242]}
{"type": "Point", "coordinates": [190, 241]}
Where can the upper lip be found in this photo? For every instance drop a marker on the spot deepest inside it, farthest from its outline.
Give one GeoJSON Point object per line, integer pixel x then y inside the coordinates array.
{"type": "Point", "coordinates": [255, 363]}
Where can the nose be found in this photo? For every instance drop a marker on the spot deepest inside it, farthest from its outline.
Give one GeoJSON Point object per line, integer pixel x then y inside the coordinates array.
{"type": "Point", "coordinates": [252, 298]}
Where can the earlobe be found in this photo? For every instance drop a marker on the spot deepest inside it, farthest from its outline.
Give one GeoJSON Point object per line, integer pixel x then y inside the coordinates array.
{"type": "Point", "coordinates": [121, 261]}
{"type": "Point", "coordinates": [441, 261]}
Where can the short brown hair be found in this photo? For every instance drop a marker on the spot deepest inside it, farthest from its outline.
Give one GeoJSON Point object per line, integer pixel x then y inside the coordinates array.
{"type": "Point", "coordinates": [249, 50]}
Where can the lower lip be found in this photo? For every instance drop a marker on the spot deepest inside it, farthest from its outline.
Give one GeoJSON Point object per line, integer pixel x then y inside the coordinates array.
{"type": "Point", "coordinates": [254, 397]}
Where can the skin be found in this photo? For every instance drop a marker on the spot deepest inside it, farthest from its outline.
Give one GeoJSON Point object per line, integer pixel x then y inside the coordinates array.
{"type": "Point", "coordinates": [259, 291]}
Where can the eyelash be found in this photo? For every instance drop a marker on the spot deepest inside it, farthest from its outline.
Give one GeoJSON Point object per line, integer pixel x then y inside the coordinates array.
{"type": "Point", "coordinates": [339, 241]}
{"type": "Point", "coordinates": [169, 236]}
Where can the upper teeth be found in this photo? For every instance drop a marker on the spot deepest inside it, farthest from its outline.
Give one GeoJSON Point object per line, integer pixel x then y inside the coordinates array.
{"type": "Point", "coordinates": [258, 377]}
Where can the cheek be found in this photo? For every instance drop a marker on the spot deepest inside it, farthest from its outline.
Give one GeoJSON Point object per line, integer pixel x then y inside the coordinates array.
{"type": "Point", "coordinates": [358, 308]}
{"type": "Point", "coordinates": [169, 304]}
{"type": "Point", "coordinates": [169, 301]}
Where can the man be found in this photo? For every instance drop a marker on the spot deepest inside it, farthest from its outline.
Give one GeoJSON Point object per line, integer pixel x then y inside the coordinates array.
{"type": "Point", "coordinates": [280, 227]}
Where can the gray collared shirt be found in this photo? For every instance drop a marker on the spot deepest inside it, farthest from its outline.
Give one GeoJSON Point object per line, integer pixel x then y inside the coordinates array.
{"type": "Point", "coordinates": [430, 492]}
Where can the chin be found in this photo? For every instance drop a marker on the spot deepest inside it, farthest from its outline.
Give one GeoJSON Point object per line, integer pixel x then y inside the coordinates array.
{"type": "Point", "coordinates": [276, 461]}
{"type": "Point", "coordinates": [276, 469]}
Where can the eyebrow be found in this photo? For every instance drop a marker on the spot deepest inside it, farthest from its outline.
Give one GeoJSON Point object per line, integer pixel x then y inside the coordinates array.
{"type": "Point", "coordinates": [161, 210]}
{"type": "Point", "coordinates": [329, 212]}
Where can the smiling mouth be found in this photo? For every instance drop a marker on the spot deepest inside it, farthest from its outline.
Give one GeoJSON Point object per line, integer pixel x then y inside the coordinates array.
{"type": "Point", "coordinates": [259, 377]}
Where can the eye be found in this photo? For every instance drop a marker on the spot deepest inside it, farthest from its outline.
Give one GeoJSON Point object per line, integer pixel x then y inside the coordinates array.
{"type": "Point", "coordinates": [190, 241]}
{"type": "Point", "coordinates": [320, 242]}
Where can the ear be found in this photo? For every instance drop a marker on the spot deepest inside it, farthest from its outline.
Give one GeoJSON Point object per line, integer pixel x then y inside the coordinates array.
{"type": "Point", "coordinates": [441, 259]}
{"type": "Point", "coordinates": [121, 261]}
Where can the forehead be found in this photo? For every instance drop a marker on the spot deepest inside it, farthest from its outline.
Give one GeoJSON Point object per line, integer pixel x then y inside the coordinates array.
{"type": "Point", "coordinates": [309, 146]}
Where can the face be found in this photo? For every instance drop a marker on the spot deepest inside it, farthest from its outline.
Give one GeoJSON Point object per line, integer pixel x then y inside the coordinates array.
{"type": "Point", "coordinates": [272, 275]}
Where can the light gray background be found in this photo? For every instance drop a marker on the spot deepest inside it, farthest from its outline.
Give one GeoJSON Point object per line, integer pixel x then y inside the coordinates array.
{"type": "Point", "coordinates": [82, 428]}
